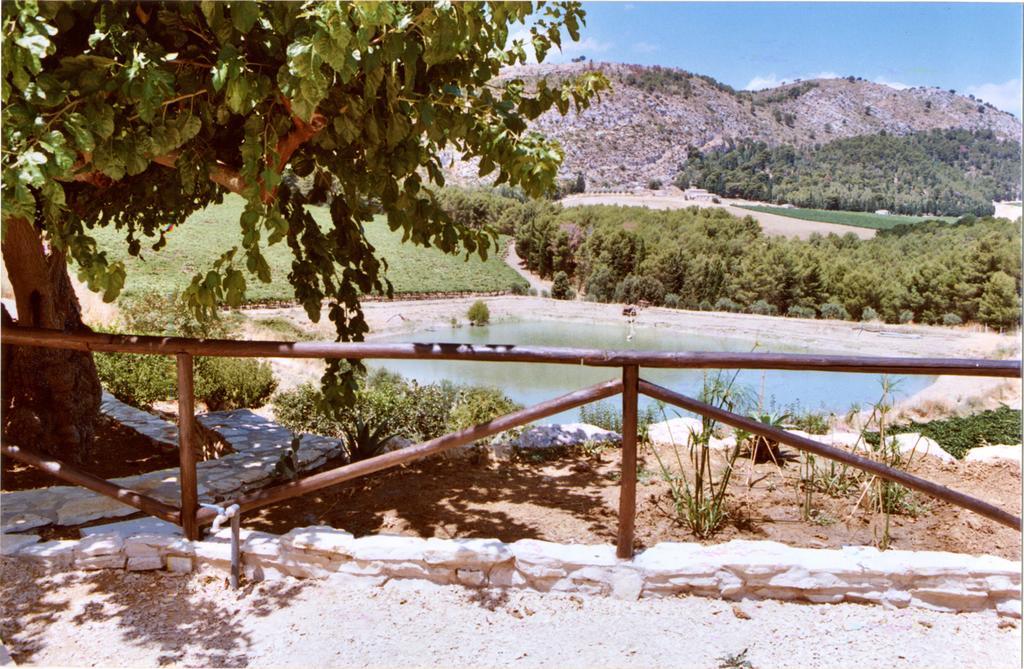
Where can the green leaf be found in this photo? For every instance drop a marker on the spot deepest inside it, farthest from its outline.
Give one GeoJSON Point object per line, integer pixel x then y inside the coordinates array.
{"type": "Point", "coordinates": [244, 15]}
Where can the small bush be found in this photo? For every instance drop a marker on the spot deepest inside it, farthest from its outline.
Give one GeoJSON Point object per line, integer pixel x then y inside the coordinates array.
{"type": "Point", "coordinates": [704, 305]}
{"type": "Point", "coordinates": [869, 314]}
{"type": "Point", "coordinates": [518, 288]}
{"type": "Point", "coordinates": [797, 311]}
{"type": "Point", "coordinates": [654, 184]}
{"type": "Point", "coordinates": [560, 287]}
{"type": "Point", "coordinates": [138, 380]}
{"type": "Point", "coordinates": [233, 383]}
{"type": "Point", "coordinates": [833, 311]}
{"type": "Point", "coordinates": [532, 292]}
{"type": "Point", "coordinates": [725, 304]}
{"type": "Point", "coordinates": [672, 301]}
{"type": "Point", "coordinates": [478, 313]}
{"type": "Point", "coordinates": [545, 293]}
{"type": "Point", "coordinates": [479, 405]}
{"type": "Point", "coordinates": [763, 308]}
{"type": "Point", "coordinates": [951, 319]}
{"type": "Point", "coordinates": [906, 316]}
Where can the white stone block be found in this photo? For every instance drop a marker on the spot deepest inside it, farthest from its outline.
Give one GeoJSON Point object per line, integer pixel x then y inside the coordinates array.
{"type": "Point", "coordinates": [1009, 608]}
{"type": "Point", "coordinates": [101, 562]}
{"type": "Point", "coordinates": [506, 576]}
{"type": "Point", "coordinates": [989, 454]}
{"type": "Point", "coordinates": [82, 510]}
{"type": "Point", "coordinates": [58, 554]}
{"type": "Point", "coordinates": [387, 547]}
{"type": "Point", "coordinates": [674, 431]}
{"type": "Point", "coordinates": [320, 539]}
{"type": "Point", "coordinates": [179, 564]}
{"type": "Point", "coordinates": [99, 544]}
{"type": "Point", "coordinates": [912, 442]}
{"type": "Point", "coordinates": [468, 553]}
{"type": "Point", "coordinates": [626, 584]}
{"type": "Point", "coordinates": [471, 577]}
{"type": "Point", "coordinates": [145, 563]}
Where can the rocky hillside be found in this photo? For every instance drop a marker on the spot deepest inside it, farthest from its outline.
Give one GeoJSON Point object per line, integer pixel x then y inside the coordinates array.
{"type": "Point", "coordinates": [642, 129]}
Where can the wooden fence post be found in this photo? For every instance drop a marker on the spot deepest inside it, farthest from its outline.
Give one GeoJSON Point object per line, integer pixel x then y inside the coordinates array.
{"type": "Point", "coordinates": [187, 447]}
{"type": "Point", "coordinates": [627, 483]}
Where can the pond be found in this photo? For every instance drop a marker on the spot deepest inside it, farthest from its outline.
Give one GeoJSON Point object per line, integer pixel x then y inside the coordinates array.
{"type": "Point", "coordinates": [533, 383]}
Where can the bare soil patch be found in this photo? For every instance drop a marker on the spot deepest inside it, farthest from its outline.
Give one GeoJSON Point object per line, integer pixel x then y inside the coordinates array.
{"type": "Point", "coordinates": [108, 619]}
{"type": "Point", "coordinates": [574, 499]}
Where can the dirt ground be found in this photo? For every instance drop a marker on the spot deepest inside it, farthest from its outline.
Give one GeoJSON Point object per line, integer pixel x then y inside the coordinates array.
{"type": "Point", "coordinates": [123, 619]}
{"type": "Point", "coordinates": [574, 499]}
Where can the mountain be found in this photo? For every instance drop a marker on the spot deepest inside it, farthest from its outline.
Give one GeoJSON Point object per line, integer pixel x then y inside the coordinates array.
{"type": "Point", "coordinates": [643, 129]}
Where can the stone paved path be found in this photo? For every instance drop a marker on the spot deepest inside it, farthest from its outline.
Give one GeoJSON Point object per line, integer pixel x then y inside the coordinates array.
{"type": "Point", "coordinates": [258, 444]}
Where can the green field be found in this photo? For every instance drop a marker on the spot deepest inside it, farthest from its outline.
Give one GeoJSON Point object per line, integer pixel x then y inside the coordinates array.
{"type": "Point", "coordinates": [860, 219]}
{"type": "Point", "coordinates": [195, 245]}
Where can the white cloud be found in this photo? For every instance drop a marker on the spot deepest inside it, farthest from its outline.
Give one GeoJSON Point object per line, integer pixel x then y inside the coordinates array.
{"type": "Point", "coordinates": [771, 80]}
{"type": "Point", "coordinates": [898, 85]}
{"type": "Point", "coordinates": [584, 46]}
{"type": "Point", "coordinates": [644, 47]}
{"type": "Point", "coordinates": [1005, 96]}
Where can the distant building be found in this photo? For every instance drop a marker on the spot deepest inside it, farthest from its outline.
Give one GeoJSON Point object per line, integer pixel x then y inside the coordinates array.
{"type": "Point", "coordinates": [698, 195]}
{"type": "Point", "coordinates": [882, 212]}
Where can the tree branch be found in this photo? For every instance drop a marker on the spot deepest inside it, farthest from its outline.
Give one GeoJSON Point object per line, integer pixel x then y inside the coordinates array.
{"type": "Point", "coordinates": [221, 174]}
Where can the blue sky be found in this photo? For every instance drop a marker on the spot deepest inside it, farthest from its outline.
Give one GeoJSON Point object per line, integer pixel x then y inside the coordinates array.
{"type": "Point", "coordinates": [973, 48]}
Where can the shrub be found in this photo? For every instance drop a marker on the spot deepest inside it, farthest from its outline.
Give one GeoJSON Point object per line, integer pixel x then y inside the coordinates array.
{"type": "Point", "coordinates": [725, 304]}
{"type": "Point", "coordinates": [545, 293]}
{"type": "Point", "coordinates": [951, 319]}
{"type": "Point", "coordinates": [906, 316]}
{"type": "Point", "coordinates": [833, 311]}
{"type": "Point", "coordinates": [518, 288]}
{"type": "Point", "coordinates": [478, 313]}
{"type": "Point", "coordinates": [704, 305]}
{"type": "Point", "coordinates": [869, 314]}
{"type": "Point", "coordinates": [601, 284]}
{"type": "Point", "coordinates": [233, 383]}
{"type": "Point", "coordinates": [560, 287]}
{"type": "Point", "coordinates": [763, 308]}
{"type": "Point", "coordinates": [672, 301]}
{"type": "Point", "coordinates": [477, 405]}
{"type": "Point", "coordinates": [796, 311]}
{"type": "Point", "coordinates": [602, 414]}
{"type": "Point", "coordinates": [532, 292]}
{"type": "Point", "coordinates": [654, 184]}
{"type": "Point", "coordinates": [139, 380]}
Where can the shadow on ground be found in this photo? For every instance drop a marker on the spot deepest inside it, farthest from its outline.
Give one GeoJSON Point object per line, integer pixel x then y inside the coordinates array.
{"type": "Point", "coordinates": [149, 609]}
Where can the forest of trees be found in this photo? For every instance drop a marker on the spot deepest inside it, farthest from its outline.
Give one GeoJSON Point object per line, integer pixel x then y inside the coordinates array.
{"type": "Point", "coordinates": [930, 272]}
{"type": "Point", "coordinates": [942, 172]}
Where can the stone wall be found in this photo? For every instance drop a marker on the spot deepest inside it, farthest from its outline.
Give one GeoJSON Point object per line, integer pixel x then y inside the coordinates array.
{"type": "Point", "coordinates": [735, 570]}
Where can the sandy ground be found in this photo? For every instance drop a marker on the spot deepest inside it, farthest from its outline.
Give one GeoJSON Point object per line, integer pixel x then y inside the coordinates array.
{"type": "Point", "coordinates": [123, 619]}
{"type": "Point", "coordinates": [513, 260]}
{"type": "Point", "coordinates": [772, 224]}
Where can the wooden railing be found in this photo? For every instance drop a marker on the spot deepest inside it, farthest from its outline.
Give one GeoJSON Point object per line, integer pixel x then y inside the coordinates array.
{"type": "Point", "coordinates": [190, 517]}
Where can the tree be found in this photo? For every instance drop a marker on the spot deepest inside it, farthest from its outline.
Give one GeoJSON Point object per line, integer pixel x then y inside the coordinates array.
{"type": "Point", "coordinates": [138, 114]}
{"type": "Point", "coordinates": [1000, 306]}
{"type": "Point", "coordinates": [561, 289]}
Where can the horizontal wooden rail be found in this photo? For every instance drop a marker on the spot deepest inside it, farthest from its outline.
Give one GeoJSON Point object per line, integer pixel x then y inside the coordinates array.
{"type": "Point", "coordinates": [461, 438]}
{"type": "Point", "coordinates": [111, 343]}
{"type": "Point", "coordinates": [66, 472]}
{"type": "Point", "coordinates": [877, 468]}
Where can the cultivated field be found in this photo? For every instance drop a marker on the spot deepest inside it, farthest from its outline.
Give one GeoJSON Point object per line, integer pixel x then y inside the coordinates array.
{"type": "Point", "coordinates": [772, 223]}
{"type": "Point", "coordinates": [860, 219]}
{"type": "Point", "coordinates": [194, 246]}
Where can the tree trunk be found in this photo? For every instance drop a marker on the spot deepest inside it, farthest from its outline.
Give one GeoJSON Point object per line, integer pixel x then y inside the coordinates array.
{"type": "Point", "coordinates": [51, 397]}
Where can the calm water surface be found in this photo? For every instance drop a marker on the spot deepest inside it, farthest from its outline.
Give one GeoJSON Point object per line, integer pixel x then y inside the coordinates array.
{"type": "Point", "coordinates": [532, 383]}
